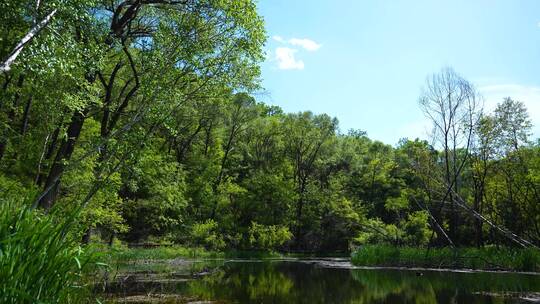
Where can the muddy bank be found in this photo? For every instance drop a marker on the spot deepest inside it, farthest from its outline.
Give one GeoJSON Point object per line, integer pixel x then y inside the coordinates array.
{"type": "Point", "coordinates": [531, 297]}
{"type": "Point", "coordinates": [160, 298]}
{"type": "Point", "coordinates": [154, 281]}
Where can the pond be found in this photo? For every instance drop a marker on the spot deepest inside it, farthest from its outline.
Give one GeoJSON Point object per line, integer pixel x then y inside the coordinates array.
{"type": "Point", "coordinates": [311, 281]}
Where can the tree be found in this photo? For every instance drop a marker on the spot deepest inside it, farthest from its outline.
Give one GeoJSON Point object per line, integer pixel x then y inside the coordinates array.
{"type": "Point", "coordinates": [513, 125]}
{"type": "Point", "coordinates": [483, 153]}
{"type": "Point", "coordinates": [452, 105]}
{"type": "Point", "coordinates": [307, 136]}
{"type": "Point", "coordinates": [153, 45]}
{"type": "Point", "coordinates": [243, 110]}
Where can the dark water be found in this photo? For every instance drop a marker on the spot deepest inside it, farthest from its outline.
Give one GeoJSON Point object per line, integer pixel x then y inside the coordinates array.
{"type": "Point", "coordinates": [321, 282]}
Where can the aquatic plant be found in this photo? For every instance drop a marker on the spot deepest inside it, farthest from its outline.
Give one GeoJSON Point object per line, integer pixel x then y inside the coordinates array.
{"type": "Point", "coordinates": [488, 258]}
{"type": "Point", "coordinates": [41, 260]}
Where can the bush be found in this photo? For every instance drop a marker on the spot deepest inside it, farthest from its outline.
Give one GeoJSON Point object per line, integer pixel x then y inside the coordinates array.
{"type": "Point", "coordinates": [206, 234]}
{"type": "Point", "coordinates": [416, 228]}
{"type": "Point", "coordinates": [412, 231]}
{"type": "Point", "coordinates": [376, 231]}
{"type": "Point", "coordinates": [268, 237]}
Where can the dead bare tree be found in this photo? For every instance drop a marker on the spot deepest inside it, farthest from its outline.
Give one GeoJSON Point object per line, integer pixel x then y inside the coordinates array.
{"type": "Point", "coordinates": [452, 105]}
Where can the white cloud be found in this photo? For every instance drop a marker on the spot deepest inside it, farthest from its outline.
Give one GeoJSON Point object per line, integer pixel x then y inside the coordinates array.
{"type": "Point", "coordinates": [305, 43]}
{"type": "Point", "coordinates": [278, 38]}
{"type": "Point", "coordinates": [538, 24]}
{"type": "Point", "coordinates": [286, 56]}
{"type": "Point", "coordinates": [529, 95]}
{"type": "Point", "coordinates": [286, 59]}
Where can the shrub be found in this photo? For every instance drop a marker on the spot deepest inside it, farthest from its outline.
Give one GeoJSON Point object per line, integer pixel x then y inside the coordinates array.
{"type": "Point", "coordinates": [416, 228]}
{"type": "Point", "coordinates": [268, 237]}
{"type": "Point", "coordinates": [206, 234]}
{"type": "Point", "coordinates": [412, 231]}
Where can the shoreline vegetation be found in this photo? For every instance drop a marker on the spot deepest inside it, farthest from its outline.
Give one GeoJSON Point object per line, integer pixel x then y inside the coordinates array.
{"type": "Point", "coordinates": [120, 253]}
{"type": "Point", "coordinates": [129, 255]}
{"type": "Point", "coordinates": [490, 258]}
{"type": "Point", "coordinates": [487, 258]}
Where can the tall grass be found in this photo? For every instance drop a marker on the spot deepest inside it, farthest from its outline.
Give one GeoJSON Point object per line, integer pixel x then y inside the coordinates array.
{"type": "Point", "coordinates": [119, 254]}
{"type": "Point", "coordinates": [40, 260]}
{"type": "Point", "coordinates": [124, 254]}
{"type": "Point", "coordinates": [487, 258]}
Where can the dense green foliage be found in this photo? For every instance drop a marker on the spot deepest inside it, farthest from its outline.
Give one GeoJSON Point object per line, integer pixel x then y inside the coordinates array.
{"type": "Point", "coordinates": [487, 258]}
{"type": "Point", "coordinates": [142, 115]}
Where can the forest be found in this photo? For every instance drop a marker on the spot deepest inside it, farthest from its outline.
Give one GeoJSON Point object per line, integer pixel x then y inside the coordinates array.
{"type": "Point", "coordinates": [138, 121]}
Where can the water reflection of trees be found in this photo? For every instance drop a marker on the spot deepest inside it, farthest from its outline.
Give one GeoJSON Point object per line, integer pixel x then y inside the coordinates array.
{"type": "Point", "coordinates": [246, 281]}
{"type": "Point", "coordinates": [381, 287]}
{"type": "Point", "coordinates": [387, 286]}
{"type": "Point", "coordinates": [267, 282]}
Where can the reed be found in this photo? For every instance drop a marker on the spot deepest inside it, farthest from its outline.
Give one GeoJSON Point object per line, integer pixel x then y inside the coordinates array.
{"type": "Point", "coordinates": [486, 258]}
{"type": "Point", "coordinates": [41, 260]}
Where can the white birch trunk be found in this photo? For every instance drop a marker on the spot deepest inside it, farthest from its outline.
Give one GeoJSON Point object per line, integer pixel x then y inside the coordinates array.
{"type": "Point", "coordinates": [6, 64]}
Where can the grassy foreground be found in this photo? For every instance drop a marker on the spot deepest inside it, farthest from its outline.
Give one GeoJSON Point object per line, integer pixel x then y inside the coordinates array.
{"type": "Point", "coordinates": [41, 260]}
{"type": "Point", "coordinates": [487, 258]}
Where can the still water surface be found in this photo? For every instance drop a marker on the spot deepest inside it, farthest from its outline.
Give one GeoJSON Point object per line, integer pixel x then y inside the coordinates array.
{"type": "Point", "coordinates": [323, 281]}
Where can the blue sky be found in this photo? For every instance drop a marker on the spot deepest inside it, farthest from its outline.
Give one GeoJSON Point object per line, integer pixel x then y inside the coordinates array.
{"type": "Point", "coordinates": [365, 61]}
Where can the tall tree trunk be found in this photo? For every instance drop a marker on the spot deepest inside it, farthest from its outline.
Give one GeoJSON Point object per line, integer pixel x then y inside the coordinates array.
{"type": "Point", "coordinates": [451, 232]}
{"type": "Point", "coordinates": [26, 115]}
{"type": "Point", "coordinates": [47, 156]}
{"type": "Point", "coordinates": [208, 138]}
{"type": "Point", "coordinates": [63, 154]}
{"type": "Point", "coordinates": [478, 195]}
{"type": "Point", "coordinates": [221, 170]}
{"type": "Point", "coordinates": [299, 211]}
